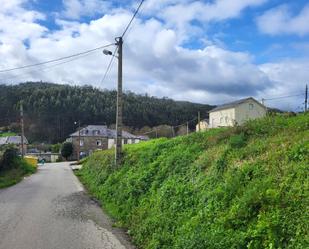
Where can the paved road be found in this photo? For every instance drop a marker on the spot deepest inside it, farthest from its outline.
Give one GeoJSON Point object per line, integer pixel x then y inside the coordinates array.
{"type": "Point", "coordinates": [50, 210]}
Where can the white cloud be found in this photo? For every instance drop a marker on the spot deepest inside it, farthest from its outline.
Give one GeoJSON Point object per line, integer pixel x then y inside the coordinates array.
{"type": "Point", "coordinates": [154, 59]}
{"type": "Point", "coordinates": [290, 77]}
{"type": "Point", "coordinates": [74, 9]}
{"type": "Point", "coordinates": [280, 20]}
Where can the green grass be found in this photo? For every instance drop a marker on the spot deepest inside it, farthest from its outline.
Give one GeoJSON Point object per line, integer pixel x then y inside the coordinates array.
{"type": "Point", "coordinates": [7, 134]}
{"type": "Point", "coordinates": [244, 187]}
{"type": "Point", "coordinates": [15, 174]}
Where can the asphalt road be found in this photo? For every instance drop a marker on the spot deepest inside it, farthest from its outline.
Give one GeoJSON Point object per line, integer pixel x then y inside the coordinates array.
{"type": "Point", "coordinates": [50, 210]}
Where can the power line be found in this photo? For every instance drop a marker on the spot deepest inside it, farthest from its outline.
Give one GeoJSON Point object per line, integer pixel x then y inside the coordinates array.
{"type": "Point", "coordinates": [109, 66]}
{"type": "Point", "coordinates": [135, 13]}
{"type": "Point", "coordinates": [47, 67]}
{"type": "Point", "coordinates": [283, 97]}
{"type": "Point", "coordinates": [55, 60]}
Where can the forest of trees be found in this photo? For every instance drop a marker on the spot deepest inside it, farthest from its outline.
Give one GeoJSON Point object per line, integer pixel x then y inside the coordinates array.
{"type": "Point", "coordinates": [51, 109]}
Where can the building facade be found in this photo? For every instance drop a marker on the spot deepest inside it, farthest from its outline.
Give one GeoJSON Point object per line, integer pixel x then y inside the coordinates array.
{"type": "Point", "coordinates": [236, 113]}
{"type": "Point", "coordinates": [16, 141]}
{"type": "Point", "coordinates": [203, 125]}
{"type": "Point", "coordinates": [98, 137]}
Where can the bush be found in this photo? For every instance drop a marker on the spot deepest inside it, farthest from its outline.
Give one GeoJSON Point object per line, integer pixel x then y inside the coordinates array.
{"type": "Point", "coordinates": [67, 150]}
{"type": "Point", "coordinates": [238, 141]}
{"type": "Point", "coordinates": [8, 157]}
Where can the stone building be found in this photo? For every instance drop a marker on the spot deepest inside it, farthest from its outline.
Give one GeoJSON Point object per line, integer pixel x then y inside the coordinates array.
{"type": "Point", "coordinates": [98, 137]}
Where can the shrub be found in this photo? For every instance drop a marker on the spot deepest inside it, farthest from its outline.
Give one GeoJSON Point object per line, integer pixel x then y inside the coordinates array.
{"type": "Point", "coordinates": [67, 150]}
{"type": "Point", "coordinates": [238, 141]}
{"type": "Point", "coordinates": [8, 157]}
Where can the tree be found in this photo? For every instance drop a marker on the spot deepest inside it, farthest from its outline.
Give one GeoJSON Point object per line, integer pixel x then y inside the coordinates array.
{"type": "Point", "coordinates": [67, 150]}
{"type": "Point", "coordinates": [9, 155]}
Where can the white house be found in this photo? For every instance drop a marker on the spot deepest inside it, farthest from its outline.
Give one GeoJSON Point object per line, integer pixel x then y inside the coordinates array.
{"type": "Point", "coordinates": [236, 113]}
{"type": "Point", "coordinates": [203, 125]}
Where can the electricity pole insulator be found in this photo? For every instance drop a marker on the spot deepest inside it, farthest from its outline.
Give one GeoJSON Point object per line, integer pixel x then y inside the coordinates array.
{"type": "Point", "coordinates": [118, 150]}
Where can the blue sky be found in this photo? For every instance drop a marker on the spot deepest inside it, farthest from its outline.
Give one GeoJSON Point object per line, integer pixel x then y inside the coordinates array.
{"type": "Point", "coordinates": [201, 51]}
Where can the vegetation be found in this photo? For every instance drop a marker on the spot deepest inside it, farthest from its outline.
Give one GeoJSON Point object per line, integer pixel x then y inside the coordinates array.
{"type": "Point", "coordinates": [12, 167]}
{"type": "Point", "coordinates": [67, 150]}
{"type": "Point", "coordinates": [7, 134]}
{"type": "Point", "coordinates": [51, 109]}
{"type": "Point", "coordinates": [244, 187]}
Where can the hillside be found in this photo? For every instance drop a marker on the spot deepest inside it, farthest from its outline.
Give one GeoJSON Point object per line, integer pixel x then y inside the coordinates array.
{"type": "Point", "coordinates": [51, 109]}
{"type": "Point", "coordinates": [245, 187]}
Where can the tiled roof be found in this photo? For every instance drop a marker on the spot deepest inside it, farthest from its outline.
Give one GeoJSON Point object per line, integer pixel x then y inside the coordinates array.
{"type": "Point", "coordinates": [101, 131]}
{"type": "Point", "coordinates": [12, 140]}
{"type": "Point", "coordinates": [233, 104]}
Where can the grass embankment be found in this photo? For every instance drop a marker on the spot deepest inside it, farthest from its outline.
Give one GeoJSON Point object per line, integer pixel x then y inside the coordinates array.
{"type": "Point", "coordinates": [13, 168]}
{"type": "Point", "coordinates": [245, 187]}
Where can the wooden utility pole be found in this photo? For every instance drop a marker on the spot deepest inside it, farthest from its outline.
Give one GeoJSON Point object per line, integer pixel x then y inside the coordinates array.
{"type": "Point", "coordinates": [22, 129]}
{"type": "Point", "coordinates": [187, 128]}
{"type": "Point", "coordinates": [199, 120]}
{"type": "Point", "coordinates": [78, 151]}
{"type": "Point", "coordinates": [118, 150]}
{"type": "Point", "coordinates": [78, 147]}
{"type": "Point", "coordinates": [306, 99]}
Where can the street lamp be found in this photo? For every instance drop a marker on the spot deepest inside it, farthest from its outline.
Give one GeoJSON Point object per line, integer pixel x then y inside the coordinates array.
{"type": "Point", "coordinates": [107, 52]}
{"type": "Point", "coordinates": [78, 147]}
{"type": "Point", "coordinates": [119, 43]}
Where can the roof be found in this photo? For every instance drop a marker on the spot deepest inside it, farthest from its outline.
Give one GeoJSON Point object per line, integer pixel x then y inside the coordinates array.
{"type": "Point", "coordinates": [12, 140]}
{"type": "Point", "coordinates": [234, 104]}
{"type": "Point", "coordinates": [102, 131]}
{"type": "Point", "coordinates": [3, 140]}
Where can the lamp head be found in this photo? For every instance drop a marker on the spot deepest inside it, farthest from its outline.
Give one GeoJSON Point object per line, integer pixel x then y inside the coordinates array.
{"type": "Point", "coordinates": [107, 52]}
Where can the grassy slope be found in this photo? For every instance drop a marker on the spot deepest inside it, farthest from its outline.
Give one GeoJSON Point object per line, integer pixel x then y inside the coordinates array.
{"type": "Point", "coordinates": [7, 134]}
{"type": "Point", "coordinates": [242, 187]}
{"type": "Point", "coordinates": [16, 173]}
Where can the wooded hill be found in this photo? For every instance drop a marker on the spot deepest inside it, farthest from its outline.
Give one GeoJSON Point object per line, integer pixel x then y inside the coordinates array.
{"type": "Point", "coordinates": [51, 109]}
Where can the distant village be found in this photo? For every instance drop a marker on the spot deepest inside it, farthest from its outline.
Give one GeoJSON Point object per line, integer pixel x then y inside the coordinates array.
{"type": "Point", "coordinates": [91, 138]}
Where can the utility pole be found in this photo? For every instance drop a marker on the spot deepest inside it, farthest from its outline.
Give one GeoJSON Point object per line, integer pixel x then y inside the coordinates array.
{"type": "Point", "coordinates": [78, 147]}
{"type": "Point", "coordinates": [306, 99]}
{"type": "Point", "coordinates": [22, 129]}
{"type": "Point", "coordinates": [78, 152]}
{"type": "Point", "coordinates": [118, 150]}
{"type": "Point", "coordinates": [199, 120]}
{"type": "Point", "coordinates": [187, 128]}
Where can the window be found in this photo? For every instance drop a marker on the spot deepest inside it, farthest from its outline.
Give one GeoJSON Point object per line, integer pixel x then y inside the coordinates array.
{"type": "Point", "coordinates": [81, 142]}
{"type": "Point", "coordinates": [99, 142]}
{"type": "Point", "coordinates": [125, 141]}
{"type": "Point", "coordinates": [250, 106]}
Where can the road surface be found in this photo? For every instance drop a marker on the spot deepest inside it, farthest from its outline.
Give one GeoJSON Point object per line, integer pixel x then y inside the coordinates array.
{"type": "Point", "coordinates": [50, 210]}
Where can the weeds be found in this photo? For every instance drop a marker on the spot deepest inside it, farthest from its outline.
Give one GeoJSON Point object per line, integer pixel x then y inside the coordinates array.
{"type": "Point", "coordinates": [244, 187]}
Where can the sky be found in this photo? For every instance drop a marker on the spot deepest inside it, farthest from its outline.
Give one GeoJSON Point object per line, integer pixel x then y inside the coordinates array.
{"type": "Point", "coordinates": [211, 51]}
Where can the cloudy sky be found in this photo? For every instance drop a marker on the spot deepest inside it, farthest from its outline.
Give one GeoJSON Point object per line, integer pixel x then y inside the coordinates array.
{"type": "Point", "coordinates": [209, 51]}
